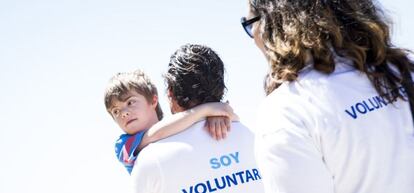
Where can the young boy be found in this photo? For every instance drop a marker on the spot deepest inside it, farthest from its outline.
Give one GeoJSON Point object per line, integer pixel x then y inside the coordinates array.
{"type": "Point", "coordinates": [132, 101]}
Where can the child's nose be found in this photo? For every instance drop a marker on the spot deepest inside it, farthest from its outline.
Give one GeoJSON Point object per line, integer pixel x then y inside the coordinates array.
{"type": "Point", "coordinates": [124, 113]}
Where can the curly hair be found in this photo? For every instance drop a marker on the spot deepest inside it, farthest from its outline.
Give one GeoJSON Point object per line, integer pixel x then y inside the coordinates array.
{"type": "Point", "coordinates": [122, 83]}
{"type": "Point", "coordinates": [356, 29]}
{"type": "Point", "coordinates": [195, 76]}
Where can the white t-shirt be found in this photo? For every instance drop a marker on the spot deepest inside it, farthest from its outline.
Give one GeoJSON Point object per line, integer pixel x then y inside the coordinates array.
{"type": "Point", "coordinates": [193, 162]}
{"type": "Point", "coordinates": [334, 133]}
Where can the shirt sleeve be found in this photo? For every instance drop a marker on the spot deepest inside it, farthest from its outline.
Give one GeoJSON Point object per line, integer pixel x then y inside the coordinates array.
{"type": "Point", "coordinates": [147, 175]}
{"type": "Point", "coordinates": [289, 159]}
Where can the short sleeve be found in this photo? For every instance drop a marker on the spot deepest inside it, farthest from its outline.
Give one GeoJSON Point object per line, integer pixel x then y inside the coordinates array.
{"type": "Point", "coordinates": [126, 149]}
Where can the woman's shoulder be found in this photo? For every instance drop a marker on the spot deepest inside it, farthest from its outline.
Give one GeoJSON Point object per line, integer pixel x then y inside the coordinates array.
{"type": "Point", "coordinates": [288, 100]}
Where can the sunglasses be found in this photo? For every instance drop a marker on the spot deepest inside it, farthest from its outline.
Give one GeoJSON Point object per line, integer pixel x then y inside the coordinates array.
{"type": "Point", "coordinates": [247, 24]}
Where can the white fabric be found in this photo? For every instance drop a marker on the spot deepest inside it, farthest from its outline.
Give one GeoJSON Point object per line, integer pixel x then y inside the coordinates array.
{"type": "Point", "coordinates": [333, 133]}
{"type": "Point", "coordinates": [193, 162]}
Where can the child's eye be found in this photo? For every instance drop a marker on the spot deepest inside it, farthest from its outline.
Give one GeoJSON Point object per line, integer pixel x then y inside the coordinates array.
{"type": "Point", "coordinates": [130, 102]}
{"type": "Point", "coordinates": [115, 112]}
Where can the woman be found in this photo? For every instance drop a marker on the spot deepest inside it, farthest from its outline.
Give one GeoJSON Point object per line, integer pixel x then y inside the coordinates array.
{"type": "Point", "coordinates": [336, 118]}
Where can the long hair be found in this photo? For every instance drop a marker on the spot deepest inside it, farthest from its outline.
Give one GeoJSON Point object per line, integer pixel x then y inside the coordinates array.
{"type": "Point", "coordinates": [356, 29]}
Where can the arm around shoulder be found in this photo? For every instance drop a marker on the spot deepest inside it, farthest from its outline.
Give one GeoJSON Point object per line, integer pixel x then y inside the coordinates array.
{"type": "Point", "coordinates": [180, 121]}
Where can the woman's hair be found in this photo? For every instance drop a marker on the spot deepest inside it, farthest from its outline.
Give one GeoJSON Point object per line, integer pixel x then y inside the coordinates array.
{"type": "Point", "coordinates": [356, 29]}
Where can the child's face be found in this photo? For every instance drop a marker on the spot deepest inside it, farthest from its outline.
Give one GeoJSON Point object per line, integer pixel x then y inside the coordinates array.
{"type": "Point", "coordinates": [133, 114]}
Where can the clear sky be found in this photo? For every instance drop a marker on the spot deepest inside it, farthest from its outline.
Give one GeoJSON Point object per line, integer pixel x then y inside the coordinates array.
{"type": "Point", "coordinates": [56, 57]}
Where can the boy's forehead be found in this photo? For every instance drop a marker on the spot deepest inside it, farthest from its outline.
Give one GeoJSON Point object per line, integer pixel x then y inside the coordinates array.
{"type": "Point", "coordinates": [126, 96]}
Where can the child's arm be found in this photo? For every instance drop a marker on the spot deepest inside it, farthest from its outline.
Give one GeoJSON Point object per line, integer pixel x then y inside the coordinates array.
{"type": "Point", "coordinates": [181, 121]}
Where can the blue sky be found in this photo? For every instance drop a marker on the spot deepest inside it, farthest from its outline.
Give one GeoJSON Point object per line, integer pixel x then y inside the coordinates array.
{"type": "Point", "coordinates": [57, 56]}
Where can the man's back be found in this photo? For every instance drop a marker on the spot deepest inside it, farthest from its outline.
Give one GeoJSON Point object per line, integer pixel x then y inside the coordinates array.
{"type": "Point", "coordinates": [193, 162]}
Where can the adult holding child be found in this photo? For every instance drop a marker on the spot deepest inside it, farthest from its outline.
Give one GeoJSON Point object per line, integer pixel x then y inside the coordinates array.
{"type": "Point", "coordinates": [337, 116]}
{"type": "Point", "coordinates": [192, 161]}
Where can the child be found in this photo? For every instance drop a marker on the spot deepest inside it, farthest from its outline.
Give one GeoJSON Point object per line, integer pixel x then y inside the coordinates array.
{"type": "Point", "coordinates": [132, 101]}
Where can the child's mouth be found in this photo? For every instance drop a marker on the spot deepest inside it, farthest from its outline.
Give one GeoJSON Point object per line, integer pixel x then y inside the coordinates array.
{"type": "Point", "coordinates": [130, 121]}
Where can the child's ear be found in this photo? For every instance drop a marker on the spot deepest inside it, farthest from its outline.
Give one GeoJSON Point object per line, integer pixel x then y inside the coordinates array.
{"type": "Point", "coordinates": [154, 101]}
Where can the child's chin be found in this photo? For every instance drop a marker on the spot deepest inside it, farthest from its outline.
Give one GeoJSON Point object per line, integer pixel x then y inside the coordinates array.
{"type": "Point", "coordinates": [132, 131]}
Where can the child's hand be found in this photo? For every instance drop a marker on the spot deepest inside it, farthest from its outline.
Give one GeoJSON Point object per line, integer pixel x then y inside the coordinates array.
{"type": "Point", "coordinates": [218, 126]}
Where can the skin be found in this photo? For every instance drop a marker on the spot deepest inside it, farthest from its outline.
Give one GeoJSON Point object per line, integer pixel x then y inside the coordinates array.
{"type": "Point", "coordinates": [135, 113]}
{"type": "Point", "coordinates": [174, 107]}
{"type": "Point", "coordinates": [218, 125]}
